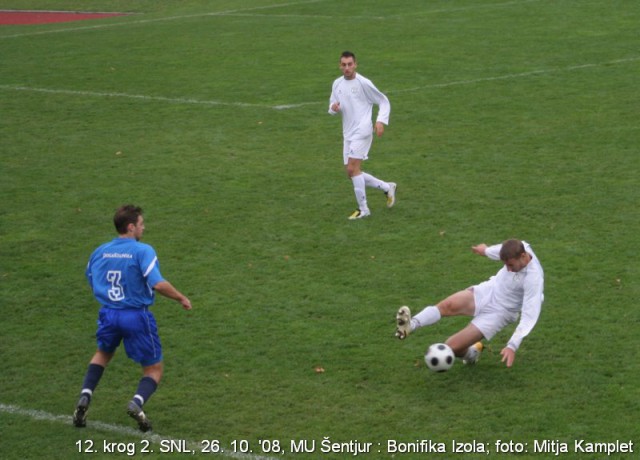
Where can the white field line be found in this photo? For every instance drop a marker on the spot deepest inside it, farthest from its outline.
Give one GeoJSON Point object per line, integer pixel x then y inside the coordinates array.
{"type": "Point", "coordinates": [190, 101]}
{"type": "Point", "coordinates": [516, 75]}
{"type": "Point", "coordinates": [174, 100]}
{"type": "Point", "coordinates": [117, 429]}
{"type": "Point", "coordinates": [412, 14]}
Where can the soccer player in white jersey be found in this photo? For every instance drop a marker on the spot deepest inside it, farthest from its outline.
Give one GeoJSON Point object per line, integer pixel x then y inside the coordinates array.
{"type": "Point", "coordinates": [353, 96]}
{"type": "Point", "coordinates": [516, 291]}
{"type": "Point", "coordinates": [123, 275]}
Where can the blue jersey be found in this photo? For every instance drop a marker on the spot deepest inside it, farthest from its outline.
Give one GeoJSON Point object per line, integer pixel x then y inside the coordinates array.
{"type": "Point", "coordinates": [122, 274]}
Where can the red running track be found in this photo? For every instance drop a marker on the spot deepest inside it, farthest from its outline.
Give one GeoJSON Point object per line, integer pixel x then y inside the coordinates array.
{"type": "Point", "coordinates": [12, 17]}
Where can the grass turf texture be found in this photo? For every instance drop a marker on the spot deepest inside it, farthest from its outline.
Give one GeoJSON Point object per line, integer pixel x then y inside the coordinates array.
{"type": "Point", "coordinates": [508, 119]}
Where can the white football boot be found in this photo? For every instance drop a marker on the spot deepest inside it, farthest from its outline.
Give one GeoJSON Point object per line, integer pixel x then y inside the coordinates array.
{"type": "Point", "coordinates": [473, 354]}
{"type": "Point", "coordinates": [403, 322]}
{"type": "Point", "coordinates": [391, 194]}
{"type": "Point", "coordinates": [358, 214]}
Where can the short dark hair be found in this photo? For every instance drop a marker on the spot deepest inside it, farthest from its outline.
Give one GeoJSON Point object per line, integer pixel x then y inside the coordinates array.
{"type": "Point", "coordinates": [125, 215]}
{"type": "Point", "coordinates": [348, 54]}
{"type": "Point", "coordinates": [511, 249]}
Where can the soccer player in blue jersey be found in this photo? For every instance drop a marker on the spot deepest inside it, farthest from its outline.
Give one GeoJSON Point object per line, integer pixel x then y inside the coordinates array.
{"type": "Point", "coordinates": [124, 274]}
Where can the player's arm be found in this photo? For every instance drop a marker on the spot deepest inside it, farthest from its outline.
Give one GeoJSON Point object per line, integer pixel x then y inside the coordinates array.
{"type": "Point", "coordinates": [166, 289]}
{"type": "Point", "coordinates": [334, 104]}
{"type": "Point", "coordinates": [149, 266]}
{"type": "Point", "coordinates": [479, 249]}
{"type": "Point", "coordinates": [492, 252]}
{"type": "Point", "coordinates": [384, 112]}
{"type": "Point", "coordinates": [508, 356]}
{"type": "Point", "coordinates": [379, 128]}
{"type": "Point", "coordinates": [531, 307]}
{"type": "Point", "coordinates": [384, 107]}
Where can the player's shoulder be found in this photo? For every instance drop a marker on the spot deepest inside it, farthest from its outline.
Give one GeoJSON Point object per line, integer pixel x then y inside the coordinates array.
{"type": "Point", "coordinates": [363, 80]}
{"type": "Point", "coordinates": [129, 245]}
{"type": "Point", "coordinates": [529, 249]}
{"type": "Point", "coordinates": [104, 247]}
{"type": "Point", "coordinates": [106, 244]}
{"type": "Point", "coordinates": [143, 247]}
{"type": "Point", "coordinates": [338, 81]}
{"type": "Point", "coordinates": [534, 268]}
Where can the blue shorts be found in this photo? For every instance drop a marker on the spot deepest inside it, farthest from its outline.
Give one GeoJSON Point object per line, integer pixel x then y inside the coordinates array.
{"type": "Point", "coordinates": [136, 327]}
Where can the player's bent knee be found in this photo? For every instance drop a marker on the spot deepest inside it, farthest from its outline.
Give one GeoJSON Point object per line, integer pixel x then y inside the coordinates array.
{"type": "Point", "coordinates": [154, 371]}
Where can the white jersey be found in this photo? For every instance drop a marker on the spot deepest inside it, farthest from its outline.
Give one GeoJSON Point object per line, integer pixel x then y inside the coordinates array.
{"type": "Point", "coordinates": [356, 98]}
{"type": "Point", "coordinates": [521, 291]}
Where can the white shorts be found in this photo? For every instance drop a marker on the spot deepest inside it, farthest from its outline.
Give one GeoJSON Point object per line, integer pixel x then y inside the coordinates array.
{"type": "Point", "coordinates": [488, 318]}
{"type": "Point", "coordinates": [358, 149]}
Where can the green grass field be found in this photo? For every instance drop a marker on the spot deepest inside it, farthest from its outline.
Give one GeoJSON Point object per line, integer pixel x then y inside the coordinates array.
{"type": "Point", "coordinates": [510, 118]}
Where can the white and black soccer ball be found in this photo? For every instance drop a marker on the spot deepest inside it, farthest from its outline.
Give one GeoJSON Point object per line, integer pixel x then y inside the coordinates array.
{"type": "Point", "coordinates": [439, 357]}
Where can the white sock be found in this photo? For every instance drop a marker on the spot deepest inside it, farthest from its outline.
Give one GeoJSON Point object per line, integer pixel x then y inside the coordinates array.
{"type": "Point", "coordinates": [430, 315]}
{"type": "Point", "coordinates": [374, 182]}
{"type": "Point", "coordinates": [360, 191]}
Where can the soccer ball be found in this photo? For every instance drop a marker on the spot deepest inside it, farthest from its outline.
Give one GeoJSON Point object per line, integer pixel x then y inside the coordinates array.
{"type": "Point", "coordinates": [439, 357]}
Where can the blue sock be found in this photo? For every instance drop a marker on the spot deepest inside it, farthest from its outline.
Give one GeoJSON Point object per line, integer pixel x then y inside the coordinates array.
{"type": "Point", "coordinates": [146, 388]}
{"type": "Point", "coordinates": [91, 379]}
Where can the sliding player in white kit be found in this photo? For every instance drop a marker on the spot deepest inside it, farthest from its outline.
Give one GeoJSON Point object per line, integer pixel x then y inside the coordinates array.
{"type": "Point", "coordinates": [353, 96]}
{"type": "Point", "coordinates": [516, 291]}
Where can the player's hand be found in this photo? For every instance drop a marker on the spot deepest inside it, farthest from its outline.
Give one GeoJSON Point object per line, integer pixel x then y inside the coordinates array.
{"type": "Point", "coordinates": [335, 107]}
{"type": "Point", "coordinates": [186, 304]}
{"type": "Point", "coordinates": [379, 128]}
{"type": "Point", "coordinates": [508, 356]}
{"type": "Point", "coordinates": [480, 249]}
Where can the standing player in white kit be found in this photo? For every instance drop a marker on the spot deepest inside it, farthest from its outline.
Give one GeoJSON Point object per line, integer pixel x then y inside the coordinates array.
{"type": "Point", "coordinates": [353, 96]}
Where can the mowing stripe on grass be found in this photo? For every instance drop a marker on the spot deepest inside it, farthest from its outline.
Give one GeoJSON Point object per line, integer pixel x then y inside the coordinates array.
{"type": "Point", "coordinates": [117, 429]}
{"type": "Point", "coordinates": [413, 14]}
{"type": "Point", "coordinates": [246, 12]}
{"type": "Point", "coordinates": [467, 8]}
{"type": "Point", "coordinates": [168, 18]}
{"type": "Point", "coordinates": [178, 100]}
